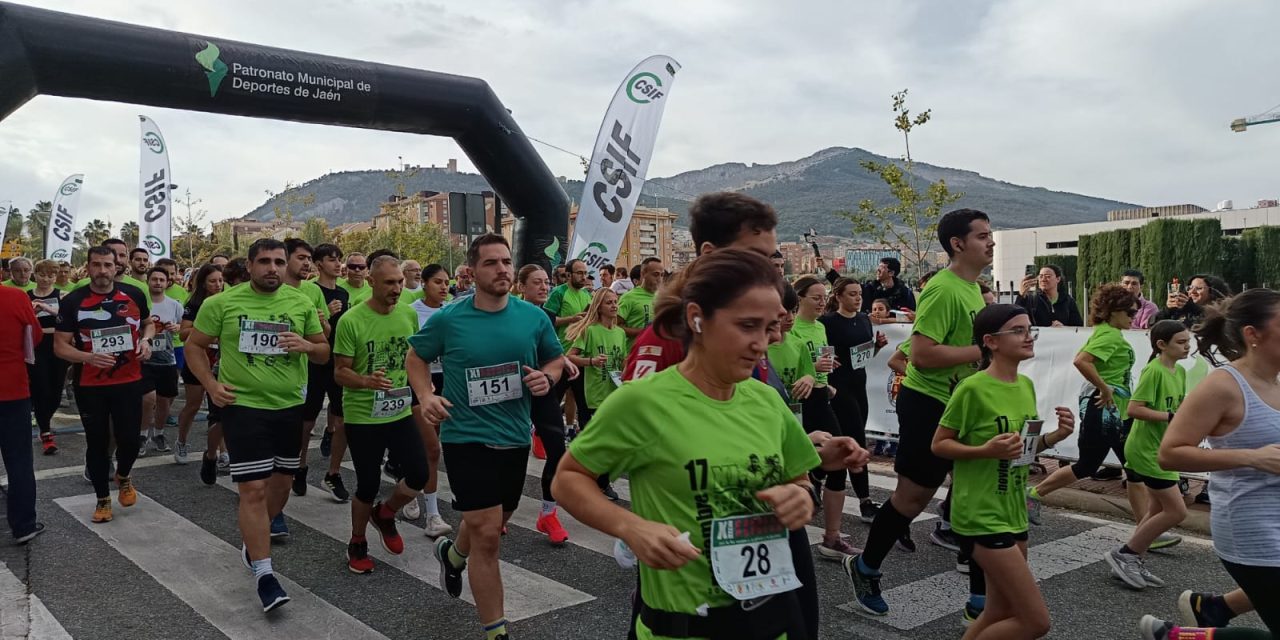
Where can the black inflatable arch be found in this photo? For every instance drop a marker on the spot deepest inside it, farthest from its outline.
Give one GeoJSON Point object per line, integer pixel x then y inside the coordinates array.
{"type": "Point", "coordinates": [53, 53]}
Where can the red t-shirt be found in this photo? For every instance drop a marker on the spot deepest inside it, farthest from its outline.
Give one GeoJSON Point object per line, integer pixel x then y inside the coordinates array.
{"type": "Point", "coordinates": [651, 353]}
{"type": "Point", "coordinates": [82, 312]}
{"type": "Point", "coordinates": [17, 322]}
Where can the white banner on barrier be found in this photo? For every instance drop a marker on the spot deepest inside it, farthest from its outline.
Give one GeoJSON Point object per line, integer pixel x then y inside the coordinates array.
{"type": "Point", "coordinates": [1057, 382]}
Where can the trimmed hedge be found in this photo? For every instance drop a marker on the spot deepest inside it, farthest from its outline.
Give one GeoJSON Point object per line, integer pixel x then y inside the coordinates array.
{"type": "Point", "coordinates": [1263, 244]}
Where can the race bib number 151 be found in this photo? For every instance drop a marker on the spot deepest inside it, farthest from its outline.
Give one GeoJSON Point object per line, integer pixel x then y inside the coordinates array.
{"type": "Point", "coordinates": [494, 384]}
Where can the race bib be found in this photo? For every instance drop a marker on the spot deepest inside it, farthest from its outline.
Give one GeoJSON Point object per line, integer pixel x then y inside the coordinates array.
{"type": "Point", "coordinates": [861, 355]}
{"type": "Point", "coordinates": [616, 378]}
{"type": "Point", "coordinates": [390, 403]}
{"type": "Point", "coordinates": [162, 343]}
{"type": "Point", "coordinates": [750, 556]}
{"type": "Point", "coordinates": [261, 338]}
{"type": "Point", "coordinates": [1030, 435]}
{"type": "Point", "coordinates": [491, 385]}
{"type": "Point", "coordinates": [113, 340]}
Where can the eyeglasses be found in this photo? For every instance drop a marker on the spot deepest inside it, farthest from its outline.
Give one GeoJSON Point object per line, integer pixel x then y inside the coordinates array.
{"type": "Point", "coordinates": [1131, 312]}
{"type": "Point", "coordinates": [1020, 332]}
{"type": "Point", "coordinates": [357, 267]}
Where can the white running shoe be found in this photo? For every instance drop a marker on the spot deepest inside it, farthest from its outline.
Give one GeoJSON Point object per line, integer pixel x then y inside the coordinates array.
{"type": "Point", "coordinates": [436, 526]}
{"type": "Point", "coordinates": [180, 454]}
{"type": "Point", "coordinates": [412, 510]}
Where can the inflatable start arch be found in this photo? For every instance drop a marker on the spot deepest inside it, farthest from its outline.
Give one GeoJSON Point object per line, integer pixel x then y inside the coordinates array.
{"type": "Point", "coordinates": [51, 53]}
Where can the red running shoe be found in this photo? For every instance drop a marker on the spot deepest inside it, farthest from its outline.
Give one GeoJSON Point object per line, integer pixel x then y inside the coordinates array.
{"type": "Point", "coordinates": [549, 523]}
{"type": "Point", "coordinates": [46, 441]}
{"type": "Point", "coordinates": [391, 540]}
{"type": "Point", "coordinates": [539, 451]}
{"type": "Point", "coordinates": [358, 560]}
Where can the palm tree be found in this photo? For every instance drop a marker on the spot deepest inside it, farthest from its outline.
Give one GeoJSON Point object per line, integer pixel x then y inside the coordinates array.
{"type": "Point", "coordinates": [38, 219]}
{"type": "Point", "coordinates": [129, 233]}
{"type": "Point", "coordinates": [13, 224]}
{"type": "Point", "coordinates": [96, 232]}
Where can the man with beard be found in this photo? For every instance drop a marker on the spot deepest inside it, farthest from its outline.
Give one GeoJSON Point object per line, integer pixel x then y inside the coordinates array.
{"type": "Point", "coordinates": [139, 264]}
{"type": "Point", "coordinates": [271, 332]}
{"type": "Point", "coordinates": [497, 351]}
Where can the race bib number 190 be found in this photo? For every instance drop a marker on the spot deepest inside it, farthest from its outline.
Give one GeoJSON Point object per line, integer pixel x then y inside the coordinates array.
{"type": "Point", "coordinates": [750, 556]}
{"type": "Point", "coordinates": [261, 338]}
{"type": "Point", "coordinates": [491, 385]}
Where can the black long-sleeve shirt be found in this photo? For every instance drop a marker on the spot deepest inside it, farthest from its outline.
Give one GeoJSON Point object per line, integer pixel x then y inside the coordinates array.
{"type": "Point", "coordinates": [1044, 313]}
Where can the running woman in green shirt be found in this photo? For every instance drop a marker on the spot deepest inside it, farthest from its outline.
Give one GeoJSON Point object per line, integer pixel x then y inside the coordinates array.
{"type": "Point", "coordinates": [1106, 362]}
{"type": "Point", "coordinates": [711, 505]}
{"type": "Point", "coordinates": [985, 431]}
{"type": "Point", "coordinates": [1160, 390]}
{"type": "Point", "coordinates": [369, 352]}
{"type": "Point", "coordinates": [490, 344]}
{"type": "Point", "coordinates": [269, 332]}
{"type": "Point", "coordinates": [597, 346]}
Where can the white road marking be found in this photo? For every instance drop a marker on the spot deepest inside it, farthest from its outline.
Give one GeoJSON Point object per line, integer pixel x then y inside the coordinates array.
{"type": "Point", "coordinates": [22, 614]}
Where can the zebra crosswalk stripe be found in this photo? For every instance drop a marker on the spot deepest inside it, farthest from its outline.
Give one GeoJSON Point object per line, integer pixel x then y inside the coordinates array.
{"type": "Point", "coordinates": [22, 614]}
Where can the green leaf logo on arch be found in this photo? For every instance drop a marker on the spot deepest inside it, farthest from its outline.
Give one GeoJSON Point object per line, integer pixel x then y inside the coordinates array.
{"type": "Point", "coordinates": [552, 252]}
{"type": "Point", "coordinates": [214, 68]}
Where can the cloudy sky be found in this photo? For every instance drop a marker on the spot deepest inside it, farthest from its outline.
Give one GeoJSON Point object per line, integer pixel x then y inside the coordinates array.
{"type": "Point", "coordinates": [1128, 99]}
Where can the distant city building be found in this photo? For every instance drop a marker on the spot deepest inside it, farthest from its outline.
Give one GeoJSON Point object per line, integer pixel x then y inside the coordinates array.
{"type": "Point", "coordinates": [239, 232]}
{"type": "Point", "coordinates": [1166, 211]}
{"type": "Point", "coordinates": [649, 234]}
{"type": "Point", "coordinates": [428, 207]}
{"type": "Point", "coordinates": [683, 252]}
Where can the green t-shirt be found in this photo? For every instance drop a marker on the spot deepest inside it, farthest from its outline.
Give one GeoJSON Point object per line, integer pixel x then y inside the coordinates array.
{"type": "Point", "coordinates": [811, 335]}
{"type": "Point", "coordinates": [408, 296]}
{"type": "Point", "coordinates": [358, 295]}
{"type": "Point", "coordinates": [566, 301]}
{"type": "Point", "coordinates": [315, 294]}
{"type": "Point", "coordinates": [690, 459]}
{"type": "Point", "coordinates": [1162, 390]}
{"type": "Point", "coordinates": [988, 495]}
{"type": "Point", "coordinates": [261, 381]}
{"type": "Point", "coordinates": [1113, 360]}
{"type": "Point", "coordinates": [597, 340]}
{"type": "Point", "coordinates": [483, 354]}
{"type": "Point", "coordinates": [791, 359]}
{"type": "Point", "coordinates": [31, 284]}
{"type": "Point", "coordinates": [945, 315]}
{"type": "Point", "coordinates": [181, 295]}
{"type": "Point", "coordinates": [376, 341]}
{"type": "Point", "coordinates": [635, 310]}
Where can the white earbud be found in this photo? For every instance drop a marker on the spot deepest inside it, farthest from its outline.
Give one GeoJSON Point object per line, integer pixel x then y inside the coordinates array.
{"type": "Point", "coordinates": [697, 324]}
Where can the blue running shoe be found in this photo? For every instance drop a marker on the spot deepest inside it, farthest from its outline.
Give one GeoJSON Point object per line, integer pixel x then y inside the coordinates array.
{"type": "Point", "coordinates": [867, 588]}
{"type": "Point", "coordinates": [279, 528]}
{"type": "Point", "coordinates": [271, 593]}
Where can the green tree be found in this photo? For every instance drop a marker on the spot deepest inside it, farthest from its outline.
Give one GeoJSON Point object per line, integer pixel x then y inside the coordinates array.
{"type": "Point", "coordinates": [910, 223]}
{"type": "Point", "coordinates": [191, 237]}
{"type": "Point", "coordinates": [425, 242]}
{"type": "Point", "coordinates": [96, 232]}
{"type": "Point", "coordinates": [288, 200]}
{"type": "Point", "coordinates": [316, 231]}
{"type": "Point", "coordinates": [129, 233]}
{"type": "Point", "coordinates": [36, 224]}
{"type": "Point", "coordinates": [12, 217]}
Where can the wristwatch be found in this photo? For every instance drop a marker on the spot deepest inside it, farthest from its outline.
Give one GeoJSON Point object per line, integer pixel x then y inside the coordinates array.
{"type": "Point", "coordinates": [1170, 416]}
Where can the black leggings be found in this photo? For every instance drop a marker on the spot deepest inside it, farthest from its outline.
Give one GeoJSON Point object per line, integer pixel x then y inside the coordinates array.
{"type": "Point", "coordinates": [816, 415]}
{"type": "Point", "coordinates": [48, 378]}
{"type": "Point", "coordinates": [1095, 442]}
{"type": "Point", "coordinates": [369, 442]}
{"type": "Point", "coordinates": [548, 423]}
{"type": "Point", "coordinates": [580, 398]}
{"type": "Point", "coordinates": [106, 410]}
{"type": "Point", "coordinates": [850, 408]}
{"type": "Point", "coordinates": [1259, 583]}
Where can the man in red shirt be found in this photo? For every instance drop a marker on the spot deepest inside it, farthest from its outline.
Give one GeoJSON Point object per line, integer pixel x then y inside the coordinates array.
{"type": "Point", "coordinates": [724, 220]}
{"type": "Point", "coordinates": [104, 331]}
{"type": "Point", "coordinates": [19, 334]}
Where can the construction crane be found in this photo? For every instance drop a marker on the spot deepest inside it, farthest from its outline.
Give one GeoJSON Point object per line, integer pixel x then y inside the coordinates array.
{"type": "Point", "coordinates": [1271, 115]}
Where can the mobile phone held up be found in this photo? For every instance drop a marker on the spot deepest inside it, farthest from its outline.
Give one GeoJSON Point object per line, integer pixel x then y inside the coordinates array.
{"type": "Point", "coordinates": [1175, 287]}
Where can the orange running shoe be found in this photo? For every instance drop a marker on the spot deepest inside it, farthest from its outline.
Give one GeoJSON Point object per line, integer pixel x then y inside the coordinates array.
{"type": "Point", "coordinates": [102, 513]}
{"type": "Point", "coordinates": [549, 523]}
{"type": "Point", "coordinates": [128, 495]}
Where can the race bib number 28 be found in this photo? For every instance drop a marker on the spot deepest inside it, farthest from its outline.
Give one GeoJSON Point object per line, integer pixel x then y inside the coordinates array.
{"type": "Point", "coordinates": [494, 384]}
{"type": "Point", "coordinates": [750, 556]}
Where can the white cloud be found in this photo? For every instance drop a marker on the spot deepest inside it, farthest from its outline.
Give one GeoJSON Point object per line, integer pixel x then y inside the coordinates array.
{"type": "Point", "coordinates": [1128, 100]}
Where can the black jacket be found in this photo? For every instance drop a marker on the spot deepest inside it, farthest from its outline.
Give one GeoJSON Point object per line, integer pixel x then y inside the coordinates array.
{"type": "Point", "coordinates": [1043, 313]}
{"type": "Point", "coordinates": [899, 295]}
{"type": "Point", "coordinates": [1190, 315]}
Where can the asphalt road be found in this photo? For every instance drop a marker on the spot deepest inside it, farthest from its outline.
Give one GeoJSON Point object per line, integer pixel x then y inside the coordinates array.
{"type": "Point", "coordinates": [168, 568]}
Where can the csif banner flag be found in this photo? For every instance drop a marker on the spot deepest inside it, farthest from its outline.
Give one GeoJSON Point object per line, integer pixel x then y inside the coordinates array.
{"type": "Point", "coordinates": [155, 206]}
{"type": "Point", "coordinates": [620, 161]}
{"type": "Point", "coordinates": [62, 219]}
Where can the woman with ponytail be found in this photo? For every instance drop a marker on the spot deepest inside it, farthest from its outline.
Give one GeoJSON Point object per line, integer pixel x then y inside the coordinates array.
{"type": "Point", "coordinates": [1237, 409]}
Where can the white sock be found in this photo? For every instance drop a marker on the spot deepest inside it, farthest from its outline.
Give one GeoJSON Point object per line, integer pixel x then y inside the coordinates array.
{"type": "Point", "coordinates": [261, 568]}
{"type": "Point", "coordinates": [433, 508]}
{"type": "Point", "coordinates": [548, 506]}
{"type": "Point", "coordinates": [151, 432]}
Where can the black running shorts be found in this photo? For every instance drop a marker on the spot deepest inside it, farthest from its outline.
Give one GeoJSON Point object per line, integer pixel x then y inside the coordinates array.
{"type": "Point", "coordinates": [160, 379]}
{"type": "Point", "coordinates": [918, 416]}
{"type": "Point", "coordinates": [990, 541]}
{"type": "Point", "coordinates": [261, 441]}
{"type": "Point", "coordinates": [481, 476]}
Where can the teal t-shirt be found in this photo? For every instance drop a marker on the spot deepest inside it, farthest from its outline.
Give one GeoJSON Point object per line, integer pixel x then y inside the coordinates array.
{"type": "Point", "coordinates": [945, 315]}
{"type": "Point", "coordinates": [812, 336]}
{"type": "Point", "coordinates": [483, 354]}
{"type": "Point", "coordinates": [566, 301]}
{"type": "Point", "coordinates": [988, 495]}
{"type": "Point", "coordinates": [376, 341]}
{"type": "Point", "coordinates": [1162, 390]}
{"type": "Point", "coordinates": [691, 459]}
{"type": "Point", "coordinates": [597, 340]}
{"type": "Point", "coordinates": [270, 380]}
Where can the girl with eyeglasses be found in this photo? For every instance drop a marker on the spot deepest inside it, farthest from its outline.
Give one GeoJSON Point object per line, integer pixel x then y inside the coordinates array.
{"type": "Point", "coordinates": [1105, 361]}
{"type": "Point", "coordinates": [816, 411]}
{"type": "Point", "coordinates": [981, 430]}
